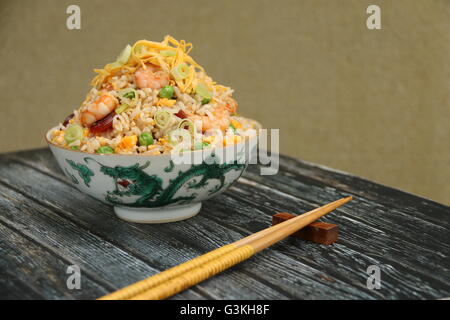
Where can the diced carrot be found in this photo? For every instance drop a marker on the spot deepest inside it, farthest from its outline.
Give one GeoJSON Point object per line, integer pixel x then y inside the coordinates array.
{"type": "Point", "coordinates": [236, 124]}
{"type": "Point", "coordinates": [128, 142]}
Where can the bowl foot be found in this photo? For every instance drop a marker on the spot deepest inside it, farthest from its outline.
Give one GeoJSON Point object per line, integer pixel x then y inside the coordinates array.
{"type": "Point", "coordinates": [157, 215]}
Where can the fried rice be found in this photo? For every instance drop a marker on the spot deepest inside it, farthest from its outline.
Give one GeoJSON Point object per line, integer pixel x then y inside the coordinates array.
{"type": "Point", "coordinates": [153, 97]}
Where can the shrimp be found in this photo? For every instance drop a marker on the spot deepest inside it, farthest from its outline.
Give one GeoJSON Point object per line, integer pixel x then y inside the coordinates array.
{"type": "Point", "coordinates": [99, 109]}
{"type": "Point", "coordinates": [231, 106]}
{"type": "Point", "coordinates": [150, 78]}
{"type": "Point", "coordinates": [221, 119]}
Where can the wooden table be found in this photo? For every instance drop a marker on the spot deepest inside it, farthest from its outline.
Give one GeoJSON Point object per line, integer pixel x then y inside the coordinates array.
{"type": "Point", "coordinates": [47, 225]}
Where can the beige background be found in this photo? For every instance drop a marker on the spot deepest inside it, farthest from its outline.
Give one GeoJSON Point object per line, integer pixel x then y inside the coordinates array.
{"type": "Point", "coordinates": [373, 103]}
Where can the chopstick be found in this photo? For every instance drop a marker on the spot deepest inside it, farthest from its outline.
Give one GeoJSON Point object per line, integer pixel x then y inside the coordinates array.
{"type": "Point", "coordinates": [185, 275]}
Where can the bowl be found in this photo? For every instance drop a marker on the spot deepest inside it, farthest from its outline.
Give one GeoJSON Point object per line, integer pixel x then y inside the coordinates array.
{"type": "Point", "coordinates": [155, 188]}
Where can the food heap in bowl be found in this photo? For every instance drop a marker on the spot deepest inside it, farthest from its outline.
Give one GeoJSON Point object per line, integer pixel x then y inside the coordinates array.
{"type": "Point", "coordinates": [141, 102]}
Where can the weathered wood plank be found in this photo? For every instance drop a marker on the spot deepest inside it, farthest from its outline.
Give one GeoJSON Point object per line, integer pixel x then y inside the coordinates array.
{"type": "Point", "coordinates": [149, 243]}
{"type": "Point", "coordinates": [38, 269]}
{"type": "Point", "coordinates": [348, 259]}
{"type": "Point", "coordinates": [11, 288]}
{"type": "Point", "coordinates": [200, 231]}
{"type": "Point", "coordinates": [412, 255]}
{"type": "Point", "coordinates": [386, 227]}
{"type": "Point", "coordinates": [195, 232]}
{"type": "Point", "coordinates": [381, 194]}
{"type": "Point", "coordinates": [411, 223]}
{"type": "Point", "coordinates": [381, 221]}
{"type": "Point", "coordinates": [112, 267]}
{"type": "Point", "coordinates": [41, 157]}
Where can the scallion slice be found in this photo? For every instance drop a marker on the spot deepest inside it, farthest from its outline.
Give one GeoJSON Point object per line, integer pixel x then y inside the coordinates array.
{"type": "Point", "coordinates": [205, 101]}
{"type": "Point", "coordinates": [179, 136]}
{"type": "Point", "coordinates": [203, 91]}
{"type": "Point", "coordinates": [121, 108]}
{"type": "Point", "coordinates": [140, 50]}
{"type": "Point", "coordinates": [73, 133]}
{"type": "Point", "coordinates": [162, 118]}
{"type": "Point", "coordinates": [180, 71]}
{"type": "Point", "coordinates": [187, 125]}
{"type": "Point", "coordinates": [130, 94]}
{"type": "Point", "coordinates": [124, 56]}
{"type": "Point", "coordinates": [113, 66]}
{"type": "Point", "coordinates": [233, 128]}
{"type": "Point", "coordinates": [168, 53]}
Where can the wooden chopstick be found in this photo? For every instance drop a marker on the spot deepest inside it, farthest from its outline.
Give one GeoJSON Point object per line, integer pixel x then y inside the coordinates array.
{"type": "Point", "coordinates": [290, 226]}
{"type": "Point", "coordinates": [187, 274]}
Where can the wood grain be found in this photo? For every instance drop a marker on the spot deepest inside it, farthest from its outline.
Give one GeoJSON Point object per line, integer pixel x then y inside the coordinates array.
{"type": "Point", "coordinates": [50, 225]}
{"type": "Point", "coordinates": [148, 244]}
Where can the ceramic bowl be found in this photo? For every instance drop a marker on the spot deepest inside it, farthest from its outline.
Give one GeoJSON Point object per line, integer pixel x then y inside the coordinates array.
{"type": "Point", "coordinates": [155, 189]}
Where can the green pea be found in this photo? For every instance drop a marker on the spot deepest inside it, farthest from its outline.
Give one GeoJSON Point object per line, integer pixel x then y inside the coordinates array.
{"type": "Point", "coordinates": [206, 100]}
{"type": "Point", "coordinates": [74, 147]}
{"type": "Point", "coordinates": [166, 92]}
{"type": "Point", "coordinates": [145, 139]}
{"type": "Point", "coordinates": [105, 150]}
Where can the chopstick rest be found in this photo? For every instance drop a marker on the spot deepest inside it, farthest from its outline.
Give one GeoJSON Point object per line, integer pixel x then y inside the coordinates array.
{"type": "Point", "coordinates": [318, 232]}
